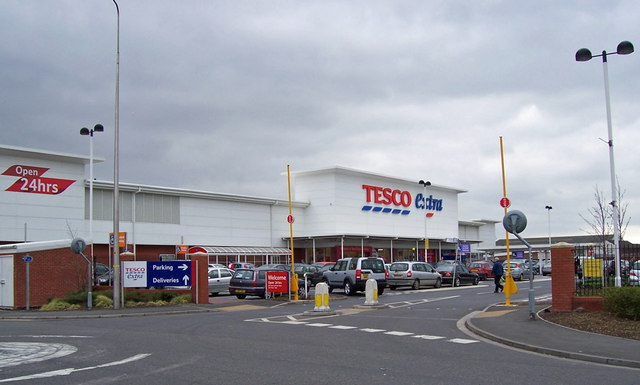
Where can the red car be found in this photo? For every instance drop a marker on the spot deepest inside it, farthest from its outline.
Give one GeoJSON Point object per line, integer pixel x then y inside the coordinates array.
{"type": "Point", "coordinates": [482, 268]}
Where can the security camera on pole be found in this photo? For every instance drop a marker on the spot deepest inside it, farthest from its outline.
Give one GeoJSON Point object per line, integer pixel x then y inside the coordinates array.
{"type": "Point", "coordinates": [515, 222]}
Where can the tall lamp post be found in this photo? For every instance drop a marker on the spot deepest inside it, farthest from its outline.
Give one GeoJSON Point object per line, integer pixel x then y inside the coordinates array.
{"type": "Point", "coordinates": [549, 227]}
{"type": "Point", "coordinates": [116, 197]}
{"type": "Point", "coordinates": [424, 200]}
{"type": "Point", "coordinates": [583, 54]}
{"type": "Point", "coordinates": [86, 131]}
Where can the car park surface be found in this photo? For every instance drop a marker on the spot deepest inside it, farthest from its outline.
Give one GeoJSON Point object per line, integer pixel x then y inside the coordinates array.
{"type": "Point", "coordinates": [351, 274]}
{"type": "Point", "coordinates": [413, 274]}
{"type": "Point", "coordinates": [462, 274]}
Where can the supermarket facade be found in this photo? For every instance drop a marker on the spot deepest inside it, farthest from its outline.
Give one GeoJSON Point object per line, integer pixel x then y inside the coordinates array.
{"type": "Point", "coordinates": [336, 212]}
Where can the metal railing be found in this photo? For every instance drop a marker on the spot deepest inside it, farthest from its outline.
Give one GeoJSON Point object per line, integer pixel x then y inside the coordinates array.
{"type": "Point", "coordinates": [595, 267]}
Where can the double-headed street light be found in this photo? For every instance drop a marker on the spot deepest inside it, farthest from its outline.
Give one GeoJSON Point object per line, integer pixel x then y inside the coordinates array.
{"type": "Point", "coordinates": [86, 131]}
{"type": "Point", "coordinates": [584, 54]}
{"type": "Point", "coordinates": [424, 197]}
{"type": "Point", "coordinates": [549, 227]}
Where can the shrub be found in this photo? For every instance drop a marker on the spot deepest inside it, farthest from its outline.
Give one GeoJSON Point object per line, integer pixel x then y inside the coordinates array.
{"type": "Point", "coordinates": [623, 301]}
{"type": "Point", "coordinates": [103, 301]}
{"type": "Point", "coordinates": [59, 304]}
{"type": "Point", "coordinates": [181, 299]}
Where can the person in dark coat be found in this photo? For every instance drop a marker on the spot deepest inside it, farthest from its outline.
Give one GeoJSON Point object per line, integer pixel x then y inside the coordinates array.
{"type": "Point", "coordinates": [497, 271]}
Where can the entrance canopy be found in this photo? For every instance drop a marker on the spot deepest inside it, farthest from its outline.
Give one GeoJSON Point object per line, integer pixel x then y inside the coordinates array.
{"type": "Point", "coordinates": [231, 250]}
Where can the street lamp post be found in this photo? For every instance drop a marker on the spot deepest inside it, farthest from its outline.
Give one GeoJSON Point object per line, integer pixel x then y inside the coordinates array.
{"type": "Point", "coordinates": [86, 131]}
{"type": "Point", "coordinates": [549, 227]}
{"type": "Point", "coordinates": [583, 54]}
{"type": "Point", "coordinates": [116, 197]}
{"type": "Point", "coordinates": [424, 198]}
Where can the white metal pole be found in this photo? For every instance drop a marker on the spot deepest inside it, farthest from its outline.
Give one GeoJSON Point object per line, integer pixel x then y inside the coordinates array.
{"type": "Point", "coordinates": [116, 198]}
{"type": "Point", "coordinates": [614, 195]}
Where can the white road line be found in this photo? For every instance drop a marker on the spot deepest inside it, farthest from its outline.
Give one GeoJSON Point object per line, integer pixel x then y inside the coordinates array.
{"type": "Point", "coordinates": [342, 327]}
{"type": "Point", "coordinates": [399, 334]}
{"type": "Point", "coordinates": [462, 341]}
{"type": "Point", "coordinates": [18, 353]}
{"type": "Point", "coordinates": [319, 325]}
{"type": "Point", "coordinates": [372, 330]}
{"type": "Point", "coordinates": [427, 337]}
{"type": "Point", "coordinates": [67, 371]}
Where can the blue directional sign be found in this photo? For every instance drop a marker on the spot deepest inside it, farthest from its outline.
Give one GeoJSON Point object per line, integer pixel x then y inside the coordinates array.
{"type": "Point", "coordinates": [169, 273]}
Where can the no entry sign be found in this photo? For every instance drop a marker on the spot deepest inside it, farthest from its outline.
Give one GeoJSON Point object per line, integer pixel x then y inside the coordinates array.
{"type": "Point", "coordinates": [505, 202]}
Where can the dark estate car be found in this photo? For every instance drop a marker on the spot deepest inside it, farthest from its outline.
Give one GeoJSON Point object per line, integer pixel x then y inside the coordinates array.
{"type": "Point", "coordinates": [253, 282]}
{"type": "Point", "coordinates": [462, 274]}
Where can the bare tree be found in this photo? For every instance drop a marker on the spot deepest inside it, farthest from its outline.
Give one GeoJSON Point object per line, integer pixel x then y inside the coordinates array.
{"type": "Point", "coordinates": [623, 222]}
{"type": "Point", "coordinates": [598, 217]}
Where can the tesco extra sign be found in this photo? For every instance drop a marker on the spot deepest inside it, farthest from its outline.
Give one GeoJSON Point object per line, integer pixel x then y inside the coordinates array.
{"type": "Point", "coordinates": [396, 201]}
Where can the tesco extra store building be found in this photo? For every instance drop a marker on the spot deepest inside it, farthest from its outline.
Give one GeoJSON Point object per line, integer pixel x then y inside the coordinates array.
{"type": "Point", "coordinates": [44, 197]}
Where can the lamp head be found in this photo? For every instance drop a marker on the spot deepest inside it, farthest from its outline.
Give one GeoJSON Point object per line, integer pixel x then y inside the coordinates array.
{"type": "Point", "coordinates": [548, 207]}
{"type": "Point", "coordinates": [98, 128]}
{"type": "Point", "coordinates": [425, 183]}
{"type": "Point", "coordinates": [583, 54]}
{"type": "Point", "coordinates": [84, 131]}
{"type": "Point", "coordinates": [624, 48]}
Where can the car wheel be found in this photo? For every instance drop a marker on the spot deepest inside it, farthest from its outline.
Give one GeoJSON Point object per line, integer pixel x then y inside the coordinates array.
{"type": "Point", "coordinates": [241, 296]}
{"type": "Point", "coordinates": [456, 282]}
{"type": "Point", "coordinates": [392, 287]}
{"type": "Point", "coordinates": [380, 290]}
{"type": "Point", "coordinates": [213, 294]}
{"type": "Point", "coordinates": [476, 280]}
{"type": "Point", "coordinates": [416, 284]}
{"type": "Point", "coordinates": [438, 283]}
{"type": "Point", "coordinates": [301, 292]}
{"type": "Point", "coordinates": [348, 289]}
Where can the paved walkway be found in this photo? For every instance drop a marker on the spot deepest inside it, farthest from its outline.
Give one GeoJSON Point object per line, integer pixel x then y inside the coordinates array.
{"type": "Point", "coordinates": [512, 326]}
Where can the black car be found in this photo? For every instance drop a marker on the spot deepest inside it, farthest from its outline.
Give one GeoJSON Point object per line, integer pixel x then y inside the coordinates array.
{"type": "Point", "coordinates": [253, 282]}
{"type": "Point", "coordinates": [462, 274]}
{"type": "Point", "coordinates": [314, 274]}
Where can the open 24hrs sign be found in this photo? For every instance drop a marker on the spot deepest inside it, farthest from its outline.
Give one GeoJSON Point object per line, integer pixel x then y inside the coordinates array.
{"type": "Point", "coordinates": [30, 180]}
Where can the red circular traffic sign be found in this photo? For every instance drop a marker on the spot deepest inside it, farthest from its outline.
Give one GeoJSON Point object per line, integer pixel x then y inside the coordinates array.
{"type": "Point", "coordinates": [290, 218]}
{"type": "Point", "coordinates": [505, 202]}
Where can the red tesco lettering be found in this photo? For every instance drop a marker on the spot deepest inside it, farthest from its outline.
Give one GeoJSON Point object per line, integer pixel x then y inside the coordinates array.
{"type": "Point", "coordinates": [387, 196]}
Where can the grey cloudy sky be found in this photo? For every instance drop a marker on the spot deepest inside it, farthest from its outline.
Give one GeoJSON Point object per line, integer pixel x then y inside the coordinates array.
{"type": "Point", "coordinates": [222, 95]}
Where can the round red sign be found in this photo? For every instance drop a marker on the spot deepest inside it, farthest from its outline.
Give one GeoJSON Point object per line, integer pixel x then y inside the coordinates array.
{"type": "Point", "coordinates": [290, 218]}
{"type": "Point", "coordinates": [505, 202]}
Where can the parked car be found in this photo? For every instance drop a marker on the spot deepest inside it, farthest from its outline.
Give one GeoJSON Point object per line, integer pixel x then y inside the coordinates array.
{"type": "Point", "coordinates": [546, 267]}
{"type": "Point", "coordinates": [313, 273]}
{"type": "Point", "coordinates": [253, 282]}
{"type": "Point", "coordinates": [104, 279]}
{"type": "Point", "coordinates": [482, 268]}
{"type": "Point", "coordinates": [217, 265]}
{"type": "Point", "coordinates": [240, 265]}
{"type": "Point", "coordinates": [519, 270]}
{"type": "Point", "coordinates": [414, 274]}
{"type": "Point", "coordinates": [535, 266]}
{"type": "Point", "coordinates": [462, 274]}
{"type": "Point", "coordinates": [351, 274]}
{"type": "Point", "coordinates": [219, 278]}
{"type": "Point", "coordinates": [634, 274]}
{"type": "Point", "coordinates": [324, 263]}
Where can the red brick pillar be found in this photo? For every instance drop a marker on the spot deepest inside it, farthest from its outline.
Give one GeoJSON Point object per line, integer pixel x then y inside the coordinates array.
{"type": "Point", "coordinates": [199, 274]}
{"type": "Point", "coordinates": [563, 284]}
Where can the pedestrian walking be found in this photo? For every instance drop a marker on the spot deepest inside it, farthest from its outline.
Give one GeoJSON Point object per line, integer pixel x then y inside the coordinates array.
{"type": "Point", "coordinates": [497, 271]}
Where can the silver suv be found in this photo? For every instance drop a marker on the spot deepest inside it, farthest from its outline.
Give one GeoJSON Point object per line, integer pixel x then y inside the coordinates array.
{"type": "Point", "coordinates": [351, 274]}
{"type": "Point", "coordinates": [414, 274]}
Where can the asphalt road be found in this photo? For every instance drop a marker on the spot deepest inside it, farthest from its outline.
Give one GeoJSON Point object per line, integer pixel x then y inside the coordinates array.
{"type": "Point", "coordinates": [416, 339]}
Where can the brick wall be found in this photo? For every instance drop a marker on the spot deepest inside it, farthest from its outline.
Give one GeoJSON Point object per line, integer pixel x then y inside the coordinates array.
{"type": "Point", "coordinates": [563, 285]}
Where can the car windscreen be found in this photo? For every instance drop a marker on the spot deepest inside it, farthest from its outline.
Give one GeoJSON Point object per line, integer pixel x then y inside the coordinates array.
{"type": "Point", "coordinates": [446, 267]}
{"type": "Point", "coordinates": [243, 274]}
{"type": "Point", "coordinates": [399, 267]}
{"type": "Point", "coordinates": [375, 265]}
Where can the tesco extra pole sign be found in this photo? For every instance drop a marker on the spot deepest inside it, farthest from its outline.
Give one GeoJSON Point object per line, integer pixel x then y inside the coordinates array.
{"type": "Point", "coordinates": [30, 180]}
{"type": "Point", "coordinates": [380, 199]}
{"type": "Point", "coordinates": [277, 281]}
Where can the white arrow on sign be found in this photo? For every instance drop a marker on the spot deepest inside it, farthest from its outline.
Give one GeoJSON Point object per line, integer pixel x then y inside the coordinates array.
{"type": "Point", "coordinates": [183, 267]}
{"type": "Point", "coordinates": [186, 280]}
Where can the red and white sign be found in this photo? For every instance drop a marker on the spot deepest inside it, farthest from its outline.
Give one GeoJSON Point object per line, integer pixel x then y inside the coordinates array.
{"type": "Point", "coordinates": [290, 218]}
{"type": "Point", "coordinates": [30, 180]}
{"type": "Point", "coordinates": [277, 281]}
{"type": "Point", "coordinates": [505, 202]}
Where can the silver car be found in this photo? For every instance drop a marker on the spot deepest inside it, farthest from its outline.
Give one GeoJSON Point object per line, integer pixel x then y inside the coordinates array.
{"type": "Point", "coordinates": [219, 278]}
{"type": "Point", "coordinates": [519, 270]}
{"type": "Point", "coordinates": [351, 274]}
{"type": "Point", "coordinates": [414, 274]}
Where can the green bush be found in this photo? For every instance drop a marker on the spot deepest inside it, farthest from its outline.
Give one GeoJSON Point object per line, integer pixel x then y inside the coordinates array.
{"type": "Point", "coordinates": [181, 299]}
{"type": "Point", "coordinates": [59, 304]}
{"type": "Point", "coordinates": [623, 301]}
{"type": "Point", "coordinates": [103, 301]}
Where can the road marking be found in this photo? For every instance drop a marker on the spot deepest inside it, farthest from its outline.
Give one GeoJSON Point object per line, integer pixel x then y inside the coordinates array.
{"type": "Point", "coordinates": [372, 330]}
{"type": "Point", "coordinates": [399, 334]}
{"type": "Point", "coordinates": [68, 371]}
{"type": "Point", "coordinates": [17, 353]}
{"type": "Point", "coordinates": [427, 337]}
{"type": "Point", "coordinates": [342, 327]}
{"type": "Point", "coordinates": [319, 325]}
{"type": "Point", "coordinates": [462, 341]}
